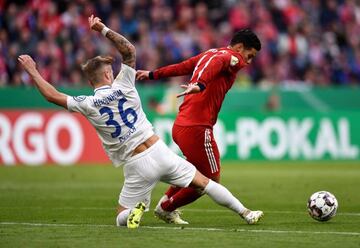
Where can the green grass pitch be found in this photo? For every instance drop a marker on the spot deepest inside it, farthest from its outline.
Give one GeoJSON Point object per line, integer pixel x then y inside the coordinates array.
{"type": "Point", "coordinates": [52, 206]}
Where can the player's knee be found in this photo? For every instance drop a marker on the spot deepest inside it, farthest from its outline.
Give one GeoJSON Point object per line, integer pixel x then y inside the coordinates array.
{"type": "Point", "coordinates": [199, 182]}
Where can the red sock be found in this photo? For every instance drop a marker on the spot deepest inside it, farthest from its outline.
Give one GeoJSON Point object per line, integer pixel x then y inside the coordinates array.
{"type": "Point", "coordinates": [172, 191]}
{"type": "Point", "coordinates": [181, 198]}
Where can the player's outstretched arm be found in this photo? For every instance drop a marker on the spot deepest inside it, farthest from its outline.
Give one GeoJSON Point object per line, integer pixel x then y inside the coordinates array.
{"type": "Point", "coordinates": [46, 89]}
{"type": "Point", "coordinates": [180, 69]}
{"type": "Point", "coordinates": [126, 49]}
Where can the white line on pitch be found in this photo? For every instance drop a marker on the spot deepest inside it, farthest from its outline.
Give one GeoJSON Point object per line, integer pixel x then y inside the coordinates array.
{"type": "Point", "coordinates": [54, 225]}
{"type": "Point", "coordinates": [183, 210]}
{"type": "Point", "coordinates": [253, 230]}
{"type": "Point", "coordinates": [184, 228]}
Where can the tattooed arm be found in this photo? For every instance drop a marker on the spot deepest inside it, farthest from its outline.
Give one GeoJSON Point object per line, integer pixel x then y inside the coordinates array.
{"type": "Point", "coordinates": [126, 49]}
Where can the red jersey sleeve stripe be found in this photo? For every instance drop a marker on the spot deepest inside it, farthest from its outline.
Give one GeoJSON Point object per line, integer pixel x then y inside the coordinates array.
{"type": "Point", "coordinates": [206, 65]}
{"type": "Point", "coordinates": [197, 66]}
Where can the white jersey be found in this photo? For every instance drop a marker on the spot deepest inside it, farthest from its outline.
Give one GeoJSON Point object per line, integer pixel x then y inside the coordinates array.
{"type": "Point", "coordinates": [117, 115]}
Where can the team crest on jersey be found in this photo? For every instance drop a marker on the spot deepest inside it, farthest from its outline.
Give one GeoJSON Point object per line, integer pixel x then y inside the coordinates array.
{"type": "Point", "coordinates": [233, 60]}
{"type": "Point", "coordinates": [79, 98]}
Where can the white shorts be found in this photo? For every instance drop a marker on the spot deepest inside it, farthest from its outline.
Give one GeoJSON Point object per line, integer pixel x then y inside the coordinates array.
{"type": "Point", "coordinates": [144, 170]}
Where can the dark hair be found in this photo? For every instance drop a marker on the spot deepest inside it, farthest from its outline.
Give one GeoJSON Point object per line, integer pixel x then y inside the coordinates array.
{"type": "Point", "coordinates": [92, 66]}
{"type": "Point", "coordinates": [248, 38]}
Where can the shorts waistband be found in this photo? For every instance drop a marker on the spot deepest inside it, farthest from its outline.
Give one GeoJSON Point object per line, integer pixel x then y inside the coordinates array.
{"type": "Point", "coordinates": [139, 155]}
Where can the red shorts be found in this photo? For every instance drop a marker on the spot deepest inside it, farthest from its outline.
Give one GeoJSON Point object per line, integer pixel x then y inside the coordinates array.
{"type": "Point", "coordinates": [198, 145]}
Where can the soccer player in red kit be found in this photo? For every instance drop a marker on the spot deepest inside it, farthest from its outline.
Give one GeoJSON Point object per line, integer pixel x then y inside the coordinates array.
{"type": "Point", "coordinates": [213, 73]}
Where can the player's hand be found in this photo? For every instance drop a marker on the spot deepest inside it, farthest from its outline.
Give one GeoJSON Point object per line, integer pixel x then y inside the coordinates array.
{"type": "Point", "coordinates": [95, 23]}
{"type": "Point", "coordinates": [189, 89]}
{"type": "Point", "coordinates": [27, 63]}
{"type": "Point", "coordinates": [142, 75]}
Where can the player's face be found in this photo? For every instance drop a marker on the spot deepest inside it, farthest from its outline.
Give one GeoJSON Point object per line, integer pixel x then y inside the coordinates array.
{"type": "Point", "coordinates": [249, 54]}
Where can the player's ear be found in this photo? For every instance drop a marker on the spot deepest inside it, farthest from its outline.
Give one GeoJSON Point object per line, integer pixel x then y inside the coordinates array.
{"type": "Point", "coordinates": [91, 84]}
{"type": "Point", "coordinates": [239, 47]}
{"type": "Point", "coordinates": [107, 74]}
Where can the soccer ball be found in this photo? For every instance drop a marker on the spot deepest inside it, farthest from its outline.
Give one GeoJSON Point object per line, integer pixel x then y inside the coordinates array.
{"type": "Point", "coordinates": [322, 206]}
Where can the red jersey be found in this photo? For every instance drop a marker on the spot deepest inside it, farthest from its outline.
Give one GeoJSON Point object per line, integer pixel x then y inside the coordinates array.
{"type": "Point", "coordinates": [216, 69]}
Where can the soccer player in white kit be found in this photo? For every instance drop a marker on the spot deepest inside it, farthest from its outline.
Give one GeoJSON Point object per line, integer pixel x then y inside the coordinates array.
{"type": "Point", "coordinates": [127, 136]}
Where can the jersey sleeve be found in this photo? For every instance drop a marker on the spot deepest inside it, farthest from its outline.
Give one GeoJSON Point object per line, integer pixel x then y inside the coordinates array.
{"type": "Point", "coordinates": [126, 77]}
{"type": "Point", "coordinates": [78, 104]}
{"type": "Point", "coordinates": [211, 65]}
{"type": "Point", "coordinates": [184, 68]}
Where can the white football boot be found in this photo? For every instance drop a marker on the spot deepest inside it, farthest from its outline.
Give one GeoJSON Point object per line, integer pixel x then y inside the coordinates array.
{"type": "Point", "coordinates": [169, 217]}
{"type": "Point", "coordinates": [252, 217]}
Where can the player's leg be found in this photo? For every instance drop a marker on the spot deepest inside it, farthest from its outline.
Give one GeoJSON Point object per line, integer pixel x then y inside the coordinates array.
{"type": "Point", "coordinates": [178, 132]}
{"type": "Point", "coordinates": [202, 151]}
{"type": "Point", "coordinates": [130, 217]}
{"type": "Point", "coordinates": [223, 197]}
{"type": "Point", "coordinates": [181, 173]}
{"type": "Point", "coordinates": [141, 175]}
{"type": "Point", "coordinates": [172, 190]}
{"type": "Point", "coordinates": [122, 215]}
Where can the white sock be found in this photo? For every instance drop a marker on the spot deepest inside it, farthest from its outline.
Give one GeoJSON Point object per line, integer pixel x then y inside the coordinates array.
{"type": "Point", "coordinates": [121, 219]}
{"type": "Point", "coordinates": [222, 196]}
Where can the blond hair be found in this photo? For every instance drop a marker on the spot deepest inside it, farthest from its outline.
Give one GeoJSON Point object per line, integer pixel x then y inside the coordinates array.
{"type": "Point", "coordinates": [92, 67]}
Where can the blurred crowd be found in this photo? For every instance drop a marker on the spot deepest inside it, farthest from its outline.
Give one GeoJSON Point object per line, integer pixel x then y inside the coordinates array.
{"type": "Point", "coordinates": [309, 42]}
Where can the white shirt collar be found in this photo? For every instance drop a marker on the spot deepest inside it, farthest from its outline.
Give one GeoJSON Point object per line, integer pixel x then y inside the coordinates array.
{"type": "Point", "coordinates": [102, 88]}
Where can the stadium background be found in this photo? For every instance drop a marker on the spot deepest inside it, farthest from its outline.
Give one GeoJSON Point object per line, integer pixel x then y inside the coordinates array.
{"type": "Point", "coordinates": [287, 128]}
{"type": "Point", "coordinates": [299, 100]}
